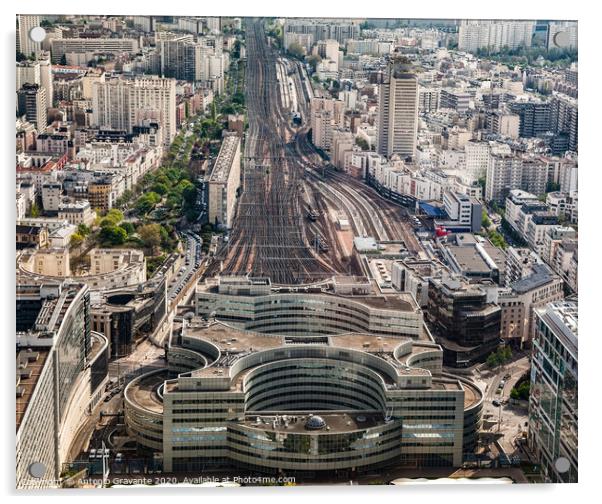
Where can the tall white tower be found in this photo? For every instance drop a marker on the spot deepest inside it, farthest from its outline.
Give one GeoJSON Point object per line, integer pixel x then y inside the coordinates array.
{"type": "Point", "coordinates": [25, 44]}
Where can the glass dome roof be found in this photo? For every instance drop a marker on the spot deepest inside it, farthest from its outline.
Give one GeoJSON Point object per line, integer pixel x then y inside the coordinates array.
{"type": "Point", "coordinates": [315, 423]}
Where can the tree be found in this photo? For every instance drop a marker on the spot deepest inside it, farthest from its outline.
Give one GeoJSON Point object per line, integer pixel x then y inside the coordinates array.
{"type": "Point", "coordinates": [363, 143]}
{"type": "Point", "coordinates": [76, 240]}
{"type": "Point", "coordinates": [34, 211]}
{"type": "Point", "coordinates": [112, 235]}
{"type": "Point", "coordinates": [492, 360]}
{"type": "Point", "coordinates": [83, 230]}
{"type": "Point", "coordinates": [150, 234]}
{"type": "Point", "coordinates": [485, 222]}
{"type": "Point", "coordinates": [313, 61]}
{"type": "Point", "coordinates": [482, 182]}
{"type": "Point", "coordinates": [160, 188]}
{"type": "Point", "coordinates": [296, 50]}
{"type": "Point", "coordinates": [147, 202]}
{"type": "Point", "coordinates": [497, 239]}
{"type": "Point", "coordinates": [114, 215]}
{"type": "Point", "coordinates": [128, 227]}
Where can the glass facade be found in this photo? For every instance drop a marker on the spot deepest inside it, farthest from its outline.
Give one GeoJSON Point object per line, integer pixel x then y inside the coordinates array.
{"type": "Point", "coordinates": [553, 413]}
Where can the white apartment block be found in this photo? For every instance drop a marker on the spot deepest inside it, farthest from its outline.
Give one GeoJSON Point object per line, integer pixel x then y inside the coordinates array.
{"type": "Point", "coordinates": [564, 205]}
{"type": "Point", "coordinates": [121, 104]}
{"type": "Point", "coordinates": [76, 213]}
{"type": "Point", "coordinates": [224, 182]}
{"type": "Point", "coordinates": [64, 46]}
{"type": "Point", "coordinates": [494, 35]}
{"type": "Point", "coordinates": [25, 44]}
{"type": "Point", "coordinates": [504, 173]}
{"type": "Point", "coordinates": [51, 196]}
{"type": "Point", "coordinates": [325, 116]}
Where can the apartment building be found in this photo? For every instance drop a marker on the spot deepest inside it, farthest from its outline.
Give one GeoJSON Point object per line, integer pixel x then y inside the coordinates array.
{"type": "Point", "coordinates": [121, 104]}
{"type": "Point", "coordinates": [224, 182]}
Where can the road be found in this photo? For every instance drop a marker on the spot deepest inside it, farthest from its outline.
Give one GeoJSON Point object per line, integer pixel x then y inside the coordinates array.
{"type": "Point", "coordinates": [512, 417]}
{"type": "Point", "coordinates": [192, 262]}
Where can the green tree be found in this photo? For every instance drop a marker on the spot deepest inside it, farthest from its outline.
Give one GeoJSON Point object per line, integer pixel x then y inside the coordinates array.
{"type": "Point", "coordinates": [150, 234]}
{"type": "Point", "coordinates": [83, 230]}
{"type": "Point", "coordinates": [113, 217]}
{"type": "Point", "coordinates": [485, 222]}
{"type": "Point", "coordinates": [34, 211]}
{"type": "Point", "coordinates": [147, 202]}
{"type": "Point", "coordinates": [363, 143]}
{"type": "Point", "coordinates": [76, 240]}
{"type": "Point", "coordinates": [112, 235]}
{"type": "Point", "coordinates": [128, 227]}
{"type": "Point", "coordinates": [160, 188]}
{"type": "Point", "coordinates": [492, 360]}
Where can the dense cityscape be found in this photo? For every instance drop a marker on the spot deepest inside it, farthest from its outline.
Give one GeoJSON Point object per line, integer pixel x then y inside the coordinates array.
{"type": "Point", "coordinates": [288, 251]}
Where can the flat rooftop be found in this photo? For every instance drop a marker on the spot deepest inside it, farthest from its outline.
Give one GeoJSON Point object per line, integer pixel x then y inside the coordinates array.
{"type": "Point", "coordinates": [143, 391]}
{"type": "Point", "coordinates": [225, 159]}
{"type": "Point", "coordinates": [29, 368]}
{"type": "Point", "coordinates": [295, 422]}
{"type": "Point", "coordinates": [402, 301]}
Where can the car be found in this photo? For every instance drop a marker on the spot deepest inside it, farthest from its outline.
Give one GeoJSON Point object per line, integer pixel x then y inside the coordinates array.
{"type": "Point", "coordinates": [496, 403]}
{"type": "Point", "coordinates": [502, 384]}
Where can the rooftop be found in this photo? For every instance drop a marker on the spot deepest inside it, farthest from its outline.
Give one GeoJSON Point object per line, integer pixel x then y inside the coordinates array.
{"type": "Point", "coordinates": [30, 364]}
{"type": "Point", "coordinates": [298, 422]}
{"type": "Point", "coordinates": [225, 158]}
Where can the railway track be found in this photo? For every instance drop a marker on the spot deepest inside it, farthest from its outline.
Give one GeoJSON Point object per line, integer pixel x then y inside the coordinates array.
{"type": "Point", "coordinates": [268, 237]}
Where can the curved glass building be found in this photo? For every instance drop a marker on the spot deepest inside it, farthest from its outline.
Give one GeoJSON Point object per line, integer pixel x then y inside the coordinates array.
{"type": "Point", "coordinates": [345, 401]}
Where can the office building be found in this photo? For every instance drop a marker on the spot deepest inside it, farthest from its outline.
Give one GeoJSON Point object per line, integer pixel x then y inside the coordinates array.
{"type": "Point", "coordinates": [428, 99]}
{"type": "Point", "coordinates": [529, 284]}
{"type": "Point", "coordinates": [564, 118]}
{"type": "Point", "coordinates": [252, 304]}
{"type": "Point", "coordinates": [326, 115]}
{"type": "Point", "coordinates": [553, 415]}
{"type": "Point", "coordinates": [462, 320]}
{"type": "Point", "coordinates": [33, 104]}
{"type": "Point", "coordinates": [454, 99]}
{"type": "Point", "coordinates": [378, 414]}
{"type": "Point", "coordinates": [397, 122]}
{"type": "Point", "coordinates": [331, 29]}
{"type": "Point", "coordinates": [181, 58]}
{"type": "Point", "coordinates": [505, 125]}
{"type": "Point", "coordinates": [562, 35]}
{"type": "Point", "coordinates": [464, 212]}
{"type": "Point", "coordinates": [62, 369]}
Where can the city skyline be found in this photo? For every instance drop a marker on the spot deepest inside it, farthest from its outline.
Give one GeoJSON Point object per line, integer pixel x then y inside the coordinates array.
{"type": "Point", "coordinates": [296, 249]}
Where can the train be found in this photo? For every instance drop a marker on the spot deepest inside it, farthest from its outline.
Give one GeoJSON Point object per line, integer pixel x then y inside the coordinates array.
{"type": "Point", "coordinates": [321, 244]}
